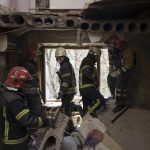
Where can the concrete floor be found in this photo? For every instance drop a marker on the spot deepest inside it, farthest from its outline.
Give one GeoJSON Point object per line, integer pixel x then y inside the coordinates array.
{"type": "Point", "coordinates": [131, 131]}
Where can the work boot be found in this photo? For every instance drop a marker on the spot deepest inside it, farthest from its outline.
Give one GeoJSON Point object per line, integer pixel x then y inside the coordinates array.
{"type": "Point", "coordinates": [101, 109]}
{"type": "Point", "coordinates": [118, 108]}
{"type": "Point", "coordinates": [110, 98]}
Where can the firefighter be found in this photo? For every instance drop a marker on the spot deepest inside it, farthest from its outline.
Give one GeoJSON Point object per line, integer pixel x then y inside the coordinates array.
{"type": "Point", "coordinates": [114, 56]}
{"type": "Point", "coordinates": [93, 101]}
{"type": "Point", "coordinates": [67, 80]}
{"type": "Point", "coordinates": [122, 62]}
{"type": "Point", "coordinates": [15, 116]}
{"type": "Point", "coordinates": [30, 63]}
{"type": "Point", "coordinates": [32, 91]}
{"type": "Point", "coordinates": [33, 95]}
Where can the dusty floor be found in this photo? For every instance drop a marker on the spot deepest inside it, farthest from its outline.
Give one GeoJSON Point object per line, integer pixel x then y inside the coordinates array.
{"type": "Point", "coordinates": [131, 130]}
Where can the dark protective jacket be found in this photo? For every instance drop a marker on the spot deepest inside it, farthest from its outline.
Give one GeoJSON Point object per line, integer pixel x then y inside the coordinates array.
{"type": "Point", "coordinates": [122, 59]}
{"type": "Point", "coordinates": [88, 73]}
{"type": "Point", "coordinates": [15, 117]}
{"type": "Point", "coordinates": [33, 97]}
{"type": "Point", "coordinates": [115, 56]}
{"type": "Point", "coordinates": [67, 77]}
{"type": "Point", "coordinates": [30, 65]}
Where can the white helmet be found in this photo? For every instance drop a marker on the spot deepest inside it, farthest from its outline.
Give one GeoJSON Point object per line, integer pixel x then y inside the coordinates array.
{"type": "Point", "coordinates": [95, 51]}
{"type": "Point", "coordinates": [60, 51]}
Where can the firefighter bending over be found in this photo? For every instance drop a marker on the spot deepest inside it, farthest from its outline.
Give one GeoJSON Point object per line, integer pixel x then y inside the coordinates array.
{"type": "Point", "coordinates": [92, 99]}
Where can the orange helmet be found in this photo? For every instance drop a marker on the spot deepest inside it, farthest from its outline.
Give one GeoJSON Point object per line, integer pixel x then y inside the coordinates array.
{"type": "Point", "coordinates": [114, 41]}
{"type": "Point", "coordinates": [17, 76]}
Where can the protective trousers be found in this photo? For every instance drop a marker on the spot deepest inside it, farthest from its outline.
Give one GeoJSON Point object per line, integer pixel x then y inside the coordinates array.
{"type": "Point", "coordinates": [92, 100]}
{"type": "Point", "coordinates": [66, 104]}
{"type": "Point", "coordinates": [111, 85]}
{"type": "Point", "coordinates": [22, 146]}
{"type": "Point", "coordinates": [121, 88]}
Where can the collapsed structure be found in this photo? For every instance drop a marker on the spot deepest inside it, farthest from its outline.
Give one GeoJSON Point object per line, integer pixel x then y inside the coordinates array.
{"type": "Point", "coordinates": [23, 30]}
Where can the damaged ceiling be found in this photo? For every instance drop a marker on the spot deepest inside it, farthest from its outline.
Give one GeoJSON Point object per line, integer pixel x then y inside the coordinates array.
{"type": "Point", "coordinates": [117, 9]}
{"type": "Point", "coordinates": [105, 16]}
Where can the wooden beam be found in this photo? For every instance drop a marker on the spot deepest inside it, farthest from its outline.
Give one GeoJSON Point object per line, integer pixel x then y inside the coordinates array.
{"type": "Point", "coordinates": [70, 45]}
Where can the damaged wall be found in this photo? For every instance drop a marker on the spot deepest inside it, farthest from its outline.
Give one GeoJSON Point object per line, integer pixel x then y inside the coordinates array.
{"type": "Point", "coordinates": [3, 47]}
{"type": "Point", "coordinates": [33, 38]}
{"type": "Point", "coordinates": [139, 86]}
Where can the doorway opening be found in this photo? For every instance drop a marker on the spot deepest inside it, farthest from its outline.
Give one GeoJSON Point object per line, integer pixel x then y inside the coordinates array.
{"type": "Point", "coordinates": [75, 55]}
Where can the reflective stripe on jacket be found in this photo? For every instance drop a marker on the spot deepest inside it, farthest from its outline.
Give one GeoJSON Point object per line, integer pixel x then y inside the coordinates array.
{"type": "Point", "coordinates": [68, 80]}
{"type": "Point", "coordinates": [16, 117]}
{"type": "Point", "coordinates": [122, 60]}
{"type": "Point", "coordinates": [88, 74]}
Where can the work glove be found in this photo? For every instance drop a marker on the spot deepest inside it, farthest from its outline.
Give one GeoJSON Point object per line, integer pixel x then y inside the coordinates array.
{"type": "Point", "coordinates": [60, 95]}
{"type": "Point", "coordinates": [59, 76]}
{"type": "Point", "coordinates": [115, 74]}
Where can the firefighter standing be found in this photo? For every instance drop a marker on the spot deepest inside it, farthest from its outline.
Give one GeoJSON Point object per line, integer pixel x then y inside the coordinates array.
{"type": "Point", "coordinates": [15, 116]}
{"type": "Point", "coordinates": [32, 91]}
{"type": "Point", "coordinates": [67, 80]}
{"type": "Point", "coordinates": [113, 55]}
{"type": "Point", "coordinates": [122, 62]}
{"type": "Point", "coordinates": [33, 96]}
{"type": "Point", "coordinates": [92, 99]}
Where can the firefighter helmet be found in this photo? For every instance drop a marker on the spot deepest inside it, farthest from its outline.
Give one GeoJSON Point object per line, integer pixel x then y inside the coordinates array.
{"type": "Point", "coordinates": [32, 53]}
{"type": "Point", "coordinates": [114, 41]}
{"type": "Point", "coordinates": [17, 76]}
{"type": "Point", "coordinates": [60, 51]}
{"type": "Point", "coordinates": [95, 51]}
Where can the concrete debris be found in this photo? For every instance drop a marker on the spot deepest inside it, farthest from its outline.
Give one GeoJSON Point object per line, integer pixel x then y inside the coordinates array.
{"type": "Point", "coordinates": [89, 123]}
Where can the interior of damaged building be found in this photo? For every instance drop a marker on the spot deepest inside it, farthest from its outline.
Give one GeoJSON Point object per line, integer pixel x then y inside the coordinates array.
{"type": "Point", "coordinates": [38, 28]}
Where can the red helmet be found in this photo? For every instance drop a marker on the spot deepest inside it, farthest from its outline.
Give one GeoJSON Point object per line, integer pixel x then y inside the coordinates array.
{"type": "Point", "coordinates": [114, 41]}
{"type": "Point", "coordinates": [17, 76]}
